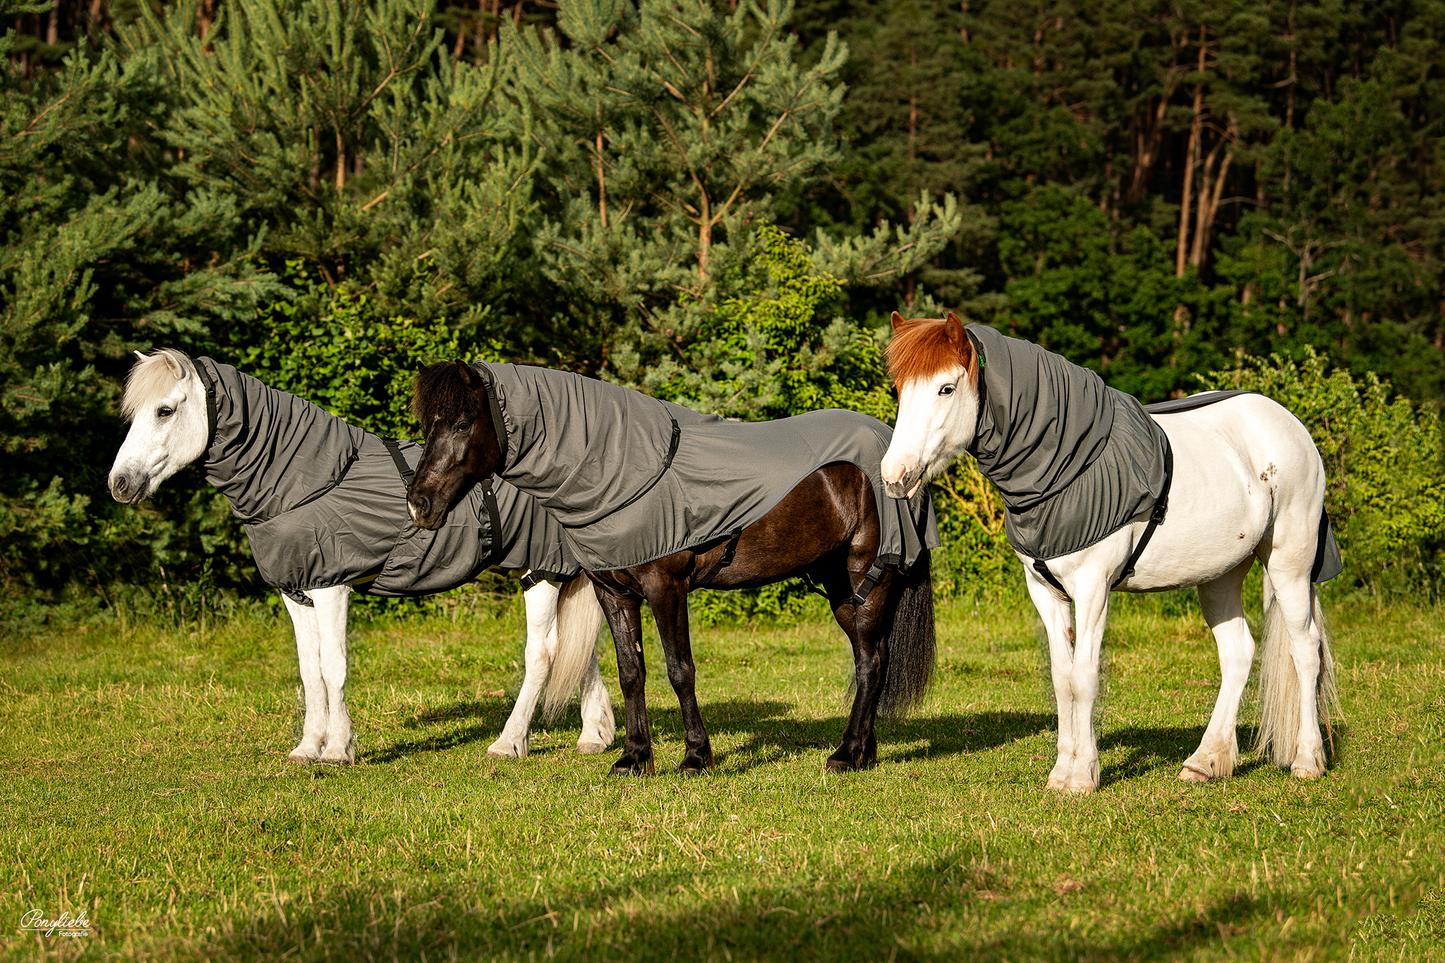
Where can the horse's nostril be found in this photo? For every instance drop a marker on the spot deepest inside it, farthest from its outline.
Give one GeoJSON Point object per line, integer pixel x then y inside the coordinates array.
{"type": "Point", "coordinates": [421, 505]}
{"type": "Point", "coordinates": [119, 488]}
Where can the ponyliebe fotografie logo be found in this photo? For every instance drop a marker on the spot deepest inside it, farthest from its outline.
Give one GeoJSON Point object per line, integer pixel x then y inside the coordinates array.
{"type": "Point", "coordinates": [66, 925]}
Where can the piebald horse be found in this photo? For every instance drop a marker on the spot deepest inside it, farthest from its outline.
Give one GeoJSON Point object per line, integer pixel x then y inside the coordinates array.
{"type": "Point", "coordinates": [1248, 483]}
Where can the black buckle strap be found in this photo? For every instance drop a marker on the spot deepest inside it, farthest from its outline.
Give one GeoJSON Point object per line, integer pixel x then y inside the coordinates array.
{"type": "Point", "coordinates": [865, 587]}
{"type": "Point", "coordinates": [722, 563]}
{"type": "Point", "coordinates": [402, 468]}
{"type": "Point", "coordinates": [1156, 516]}
{"type": "Point", "coordinates": [1161, 509]}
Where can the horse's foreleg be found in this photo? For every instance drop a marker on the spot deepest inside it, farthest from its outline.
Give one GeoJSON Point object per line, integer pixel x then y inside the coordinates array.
{"type": "Point", "coordinates": [541, 604]}
{"type": "Point", "coordinates": [331, 606]}
{"type": "Point", "coordinates": [624, 617]}
{"type": "Point", "coordinates": [1057, 618]}
{"type": "Point", "coordinates": [669, 609]}
{"type": "Point", "coordinates": [1091, 612]}
{"type": "Point", "coordinates": [308, 655]}
{"type": "Point", "coordinates": [1223, 608]}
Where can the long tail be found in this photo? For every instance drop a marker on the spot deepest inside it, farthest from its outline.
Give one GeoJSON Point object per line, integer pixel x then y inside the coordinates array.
{"type": "Point", "coordinates": [579, 617]}
{"type": "Point", "coordinates": [1279, 691]}
{"type": "Point", "coordinates": [911, 652]}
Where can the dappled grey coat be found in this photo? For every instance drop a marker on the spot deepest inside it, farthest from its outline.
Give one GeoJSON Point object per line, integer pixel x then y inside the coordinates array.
{"type": "Point", "coordinates": [323, 502]}
{"type": "Point", "coordinates": [633, 478]}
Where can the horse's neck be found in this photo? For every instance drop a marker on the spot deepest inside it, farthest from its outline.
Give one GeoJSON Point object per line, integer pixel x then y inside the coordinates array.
{"type": "Point", "coordinates": [270, 449]}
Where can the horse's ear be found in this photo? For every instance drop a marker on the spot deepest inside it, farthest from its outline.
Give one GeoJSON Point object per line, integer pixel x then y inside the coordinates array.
{"type": "Point", "coordinates": [469, 376]}
{"type": "Point", "coordinates": [954, 327]}
{"type": "Point", "coordinates": [175, 366]}
{"type": "Point", "coordinates": [139, 355]}
{"type": "Point", "coordinates": [899, 322]}
{"type": "Point", "coordinates": [961, 342]}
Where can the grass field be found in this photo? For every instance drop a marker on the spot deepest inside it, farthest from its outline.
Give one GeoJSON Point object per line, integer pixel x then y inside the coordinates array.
{"type": "Point", "coordinates": [143, 781]}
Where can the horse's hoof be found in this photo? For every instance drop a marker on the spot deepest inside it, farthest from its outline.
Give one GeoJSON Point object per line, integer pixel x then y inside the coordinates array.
{"type": "Point", "coordinates": [502, 750]}
{"type": "Point", "coordinates": [839, 765]}
{"type": "Point", "coordinates": [300, 759]}
{"type": "Point", "coordinates": [1300, 772]}
{"type": "Point", "coordinates": [1190, 774]}
{"type": "Point", "coordinates": [690, 773]}
{"type": "Point", "coordinates": [626, 767]}
{"type": "Point", "coordinates": [1079, 789]}
{"type": "Point", "coordinates": [591, 748]}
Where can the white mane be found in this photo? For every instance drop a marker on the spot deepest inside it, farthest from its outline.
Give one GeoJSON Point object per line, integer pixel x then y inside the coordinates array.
{"type": "Point", "coordinates": [152, 378]}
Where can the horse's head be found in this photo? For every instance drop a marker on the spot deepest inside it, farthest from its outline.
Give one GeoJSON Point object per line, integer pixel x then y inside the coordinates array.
{"type": "Point", "coordinates": [934, 366]}
{"type": "Point", "coordinates": [166, 404]}
{"type": "Point", "coordinates": [454, 406]}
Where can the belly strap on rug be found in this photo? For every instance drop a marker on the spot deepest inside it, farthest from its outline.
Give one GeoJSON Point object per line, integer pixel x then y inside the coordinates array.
{"type": "Point", "coordinates": [1161, 509]}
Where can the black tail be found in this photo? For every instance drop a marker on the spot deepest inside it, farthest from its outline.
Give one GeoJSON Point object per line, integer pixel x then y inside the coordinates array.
{"type": "Point", "coordinates": [910, 643]}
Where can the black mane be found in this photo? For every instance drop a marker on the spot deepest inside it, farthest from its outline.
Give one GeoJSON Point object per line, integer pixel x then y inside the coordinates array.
{"type": "Point", "coordinates": [440, 393]}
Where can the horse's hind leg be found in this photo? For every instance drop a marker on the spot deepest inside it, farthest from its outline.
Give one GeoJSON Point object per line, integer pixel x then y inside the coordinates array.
{"type": "Point", "coordinates": [308, 655]}
{"type": "Point", "coordinates": [541, 603]}
{"type": "Point", "coordinates": [624, 617]}
{"type": "Point", "coordinates": [864, 625]}
{"type": "Point", "coordinates": [1223, 607]}
{"type": "Point", "coordinates": [598, 726]}
{"type": "Point", "coordinates": [1293, 669]}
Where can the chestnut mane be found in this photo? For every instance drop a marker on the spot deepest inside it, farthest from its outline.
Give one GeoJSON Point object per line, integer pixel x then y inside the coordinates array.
{"type": "Point", "coordinates": [923, 347]}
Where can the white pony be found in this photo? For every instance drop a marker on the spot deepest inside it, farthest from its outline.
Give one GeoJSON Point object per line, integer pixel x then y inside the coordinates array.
{"type": "Point", "coordinates": [1247, 483]}
{"type": "Point", "coordinates": [173, 423]}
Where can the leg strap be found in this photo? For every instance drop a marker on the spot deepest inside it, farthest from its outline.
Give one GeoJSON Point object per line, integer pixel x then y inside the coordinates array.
{"type": "Point", "coordinates": [865, 588]}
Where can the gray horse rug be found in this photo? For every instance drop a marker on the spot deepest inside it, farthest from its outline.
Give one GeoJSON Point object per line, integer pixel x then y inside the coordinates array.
{"type": "Point", "coordinates": [633, 478]}
{"type": "Point", "coordinates": [324, 502]}
{"type": "Point", "coordinates": [1074, 459]}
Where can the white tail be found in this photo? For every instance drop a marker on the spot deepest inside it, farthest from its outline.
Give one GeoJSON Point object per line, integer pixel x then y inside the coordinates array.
{"type": "Point", "coordinates": [1279, 691]}
{"type": "Point", "coordinates": [579, 618]}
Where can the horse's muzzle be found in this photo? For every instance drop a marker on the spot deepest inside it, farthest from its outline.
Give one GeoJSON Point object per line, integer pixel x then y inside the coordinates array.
{"type": "Point", "coordinates": [420, 509]}
{"type": "Point", "coordinates": [128, 490]}
{"type": "Point", "coordinates": [904, 487]}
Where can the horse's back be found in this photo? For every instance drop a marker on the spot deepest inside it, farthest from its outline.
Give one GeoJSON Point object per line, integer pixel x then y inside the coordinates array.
{"type": "Point", "coordinates": [1246, 474]}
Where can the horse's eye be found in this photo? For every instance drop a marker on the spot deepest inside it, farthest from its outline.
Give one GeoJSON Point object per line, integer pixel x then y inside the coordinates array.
{"type": "Point", "coordinates": [947, 389]}
{"type": "Point", "coordinates": [165, 411]}
{"type": "Point", "coordinates": [463, 427]}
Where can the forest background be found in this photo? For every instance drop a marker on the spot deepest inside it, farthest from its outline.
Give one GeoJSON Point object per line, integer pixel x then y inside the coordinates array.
{"type": "Point", "coordinates": [719, 203]}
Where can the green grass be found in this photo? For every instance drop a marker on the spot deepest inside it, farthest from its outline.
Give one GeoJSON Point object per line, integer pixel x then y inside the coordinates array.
{"type": "Point", "coordinates": [143, 778]}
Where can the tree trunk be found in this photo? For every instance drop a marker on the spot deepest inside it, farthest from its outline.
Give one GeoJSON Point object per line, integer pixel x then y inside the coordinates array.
{"type": "Point", "coordinates": [1181, 252]}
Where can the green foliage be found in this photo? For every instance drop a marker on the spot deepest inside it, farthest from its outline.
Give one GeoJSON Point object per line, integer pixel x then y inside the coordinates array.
{"type": "Point", "coordinates": [767, 351]}
{"type": "Point", "coordinates": [1384, 460]}
{"type": "Point", "coordinates": [358, 363]}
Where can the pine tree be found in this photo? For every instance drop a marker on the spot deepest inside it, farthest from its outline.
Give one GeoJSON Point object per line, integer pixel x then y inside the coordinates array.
{"type": "Point", "coordinates": [347, 134]}
{"type": "Point", "coordinates": [672, 130]}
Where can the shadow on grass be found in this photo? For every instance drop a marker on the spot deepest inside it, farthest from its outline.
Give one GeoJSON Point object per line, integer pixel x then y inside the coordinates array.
{"type": "Point", "coordinates": [771, 733]}
{"type": "Point", "coordinates": [941, 909]}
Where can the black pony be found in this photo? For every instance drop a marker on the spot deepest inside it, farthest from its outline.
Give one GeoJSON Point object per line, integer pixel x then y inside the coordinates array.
{"type": "Point", "coordinates": [626, 475]}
